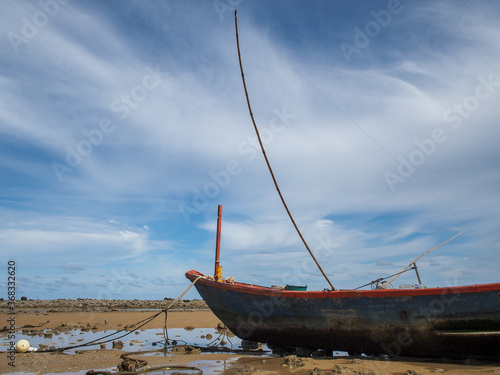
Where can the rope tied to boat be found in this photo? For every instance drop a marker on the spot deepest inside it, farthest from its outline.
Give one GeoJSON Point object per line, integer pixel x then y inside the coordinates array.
{"type": "Point", "coordinates": [138, 366]}
{"type": "Point", "coordinates": [132, 365]}
{"type": "Point", "coordinates": [184, 293]}
{"type": "Point", "coordinates": [165, 332]}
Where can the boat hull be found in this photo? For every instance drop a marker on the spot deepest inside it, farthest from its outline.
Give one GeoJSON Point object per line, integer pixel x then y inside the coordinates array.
{"type": "Point", "coordinates": [455, 322]}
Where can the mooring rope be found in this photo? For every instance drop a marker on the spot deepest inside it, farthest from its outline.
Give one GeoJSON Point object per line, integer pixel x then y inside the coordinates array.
{"type": "Point", "coordinates": [138, 325]}
{"type": "Point", "coordinates": [165, 332]}
{"type": "Point", "coordinates": [110, 336]}
{"type": "Point", "coordinates": [130, 365]}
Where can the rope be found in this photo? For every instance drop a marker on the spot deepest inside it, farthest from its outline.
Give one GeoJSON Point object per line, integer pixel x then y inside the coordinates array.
{"type": "Point", "coordinates": [97, 342]}
{"type": "Point", "coordinates": [138, 324]}
{"type": "Point", "coordinates": [223, 335]}
{"type": "Point", "coordinates": [428, 251]}
{"type": "Point", "coordinates": [131, 365]}
{"type": "Point", "coordinates": [380, 279]}
{"type": "Point", "coordinates": [165, 332]}
{"type": "Point", "coordinates": [409, 267]}
{"type": "Point", "coordinates": [267, 160]}
{"type": "Point", "coordinates": [184, 293]}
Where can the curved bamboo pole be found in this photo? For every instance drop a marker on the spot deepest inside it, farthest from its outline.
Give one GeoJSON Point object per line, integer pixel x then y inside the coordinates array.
{"type": "Point", "coordinates": [265, 156]}
{"type": "Point", "coordinates": [428, 251]}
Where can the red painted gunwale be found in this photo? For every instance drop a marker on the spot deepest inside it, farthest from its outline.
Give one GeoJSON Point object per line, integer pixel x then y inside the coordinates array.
{"type": "Point", "coordinates": [346, 293]}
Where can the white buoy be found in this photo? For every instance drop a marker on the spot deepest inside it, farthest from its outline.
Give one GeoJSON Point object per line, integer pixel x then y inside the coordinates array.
{"type": "Point", "coordinates": [22, 346]}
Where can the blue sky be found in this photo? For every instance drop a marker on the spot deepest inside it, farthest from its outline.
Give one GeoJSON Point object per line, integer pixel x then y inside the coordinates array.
{"type": "Point", "coordinates": [124, 124]}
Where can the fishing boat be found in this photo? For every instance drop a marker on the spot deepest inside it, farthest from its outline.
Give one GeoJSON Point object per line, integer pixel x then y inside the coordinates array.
{"type": "Point", "coordinates": [452, 322]}
{"type": "Point", "coordinates": [455, 321]}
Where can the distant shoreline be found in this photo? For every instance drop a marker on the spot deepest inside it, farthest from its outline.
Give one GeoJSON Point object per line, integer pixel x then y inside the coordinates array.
{"type": "Point", "coordinates": [90, 304]}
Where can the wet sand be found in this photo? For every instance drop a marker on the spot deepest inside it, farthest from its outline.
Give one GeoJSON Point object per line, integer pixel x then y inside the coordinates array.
{"type": "Point", "coordinates": [109, 320]}
{"type": "Point", "coordinates": [92, 358]}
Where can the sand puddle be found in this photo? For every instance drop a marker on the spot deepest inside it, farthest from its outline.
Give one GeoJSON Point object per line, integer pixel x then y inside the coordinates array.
{"type": "Point", "coordinates": [141, 340]}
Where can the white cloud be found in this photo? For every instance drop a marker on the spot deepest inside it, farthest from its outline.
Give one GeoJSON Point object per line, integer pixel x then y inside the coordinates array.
{"type": "Point", "coordinates": [75, 243]}
{"type": "Point", "coordinates": [349, 125]}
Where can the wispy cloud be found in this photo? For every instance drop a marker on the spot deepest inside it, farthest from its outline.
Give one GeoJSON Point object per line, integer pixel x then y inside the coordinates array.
{"type": "Point", "coordinates": [122, 129]}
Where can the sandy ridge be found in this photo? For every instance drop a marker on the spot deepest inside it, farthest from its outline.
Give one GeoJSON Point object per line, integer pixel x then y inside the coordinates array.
{"type": "Point", "coordinates": [88, 304]}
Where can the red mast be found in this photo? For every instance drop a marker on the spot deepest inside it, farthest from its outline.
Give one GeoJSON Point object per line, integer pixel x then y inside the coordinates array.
{"type": "Point", "coordinates": [218, 268]}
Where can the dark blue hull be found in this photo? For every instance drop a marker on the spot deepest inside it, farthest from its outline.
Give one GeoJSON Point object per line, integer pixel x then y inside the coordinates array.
{"type": "Point", "coordinates": [455, 322]}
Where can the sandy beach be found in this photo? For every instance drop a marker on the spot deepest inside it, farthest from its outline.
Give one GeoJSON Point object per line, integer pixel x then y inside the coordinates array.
{"type": "Point", "coordinates": [98, 322]}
